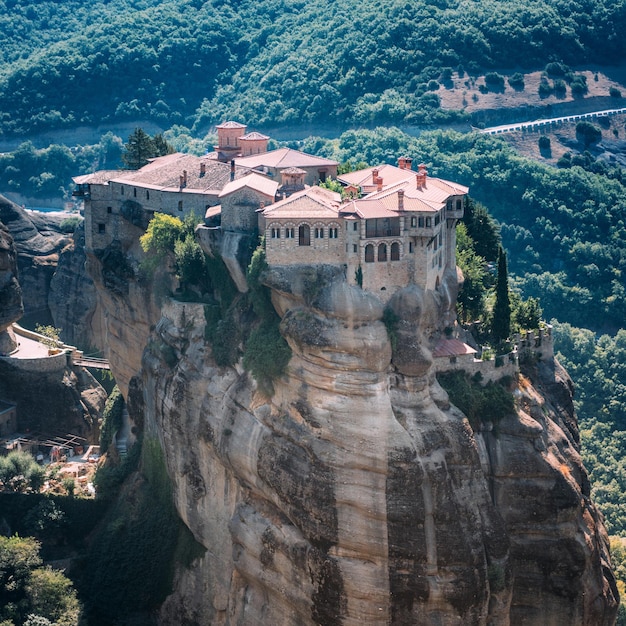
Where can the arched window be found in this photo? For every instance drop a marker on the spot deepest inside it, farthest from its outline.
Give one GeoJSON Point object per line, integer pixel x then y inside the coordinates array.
{"type": "Point", "coordinates": [333, 233]}
{"type": "Point", "coordinates": [288, 233]}
{"type": "Point", "coordinates": [275, 233]}
{"type": "Point", "coordinates": [382, 252]}
{"type": "Point", "coordinates": [304, 235]}
{"type": "Point", "coordinates": [319, 232]}
{"type": "Point", "coordinates": [395, 251]}
{"type": "Point", "coordinates": [369, 253]}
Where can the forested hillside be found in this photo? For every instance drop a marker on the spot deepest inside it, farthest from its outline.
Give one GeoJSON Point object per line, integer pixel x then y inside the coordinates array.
{"type": "Point", "coordinates": [75, 63]}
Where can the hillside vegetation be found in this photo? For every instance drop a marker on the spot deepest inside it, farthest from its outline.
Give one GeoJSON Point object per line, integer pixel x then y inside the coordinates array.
{"type": "Point", "coordinates": [270, 63]}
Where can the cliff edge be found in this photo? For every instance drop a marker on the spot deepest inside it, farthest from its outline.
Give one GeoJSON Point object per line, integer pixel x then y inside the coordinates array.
{"type": "Point", "coordinates": [356, 493]}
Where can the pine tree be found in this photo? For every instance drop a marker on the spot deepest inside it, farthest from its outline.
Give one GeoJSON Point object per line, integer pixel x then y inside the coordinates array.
{"type": "Point", "coordinates": [501, 320]}
{"type": "Point", "coordinates": [141, 148]}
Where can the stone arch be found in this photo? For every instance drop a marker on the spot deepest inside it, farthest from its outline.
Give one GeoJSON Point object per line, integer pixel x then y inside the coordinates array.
{"type": "Point", "coordinates": [382, 251]}
{"type": "Point", "coordinates": [395, 251]}
{"type": "Point", "coordinates": [273, 231]}
{"type": "Point", "coordinates": [333, 230]}
{"type": "Point", "coordinates": [318, 230]}
{"type": "Point", "coordinates": [369, 253]}
{"type": "Point", "coordinates": [290, 230]}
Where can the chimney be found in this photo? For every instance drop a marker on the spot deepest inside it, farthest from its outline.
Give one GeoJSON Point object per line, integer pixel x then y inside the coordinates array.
{"type": "Point", "coordinates": [421, 179]}
{"type": "Point", "coordinates": [232, 170]}
{"type": "Point", "coordinates": [202, 169]}
{"type": "Point", "coordinates": [400, 199]}
{"type": "Point", "coordinates": [402, 163]}
{"type": "Point", "coordinates": [421, 168]}
{"type": "Point", "coordinates": [408, 163]}
{"type": "Point", "coordinates": [185, 177]}
{"type": "Point", "coordinates": [374, 176]}
{"type": "Point", "coordinates": [181, 181]}
{"type": "Point", "coordinates": [379, 183]}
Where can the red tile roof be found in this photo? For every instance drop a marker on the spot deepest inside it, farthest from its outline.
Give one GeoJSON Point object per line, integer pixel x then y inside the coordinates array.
{"type": "Point", "coordinates": [452, 347]}
{"type": "Point", "coordinates": [283, 158]}
{"type": "Point", "coordinates": [310, 203]}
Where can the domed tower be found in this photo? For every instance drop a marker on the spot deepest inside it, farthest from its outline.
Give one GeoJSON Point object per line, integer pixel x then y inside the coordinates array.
{"type": "Point", "coordinates": [228, 135]}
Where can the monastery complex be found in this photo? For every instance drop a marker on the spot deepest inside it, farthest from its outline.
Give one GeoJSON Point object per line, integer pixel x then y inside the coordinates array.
{"type": "Point", "coordinates": [394, 227]}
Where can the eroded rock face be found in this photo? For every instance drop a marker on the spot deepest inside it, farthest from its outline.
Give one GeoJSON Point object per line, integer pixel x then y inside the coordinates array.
{"type": "Point", "coordinates": [72, 295]}
{"type": "Point", "coordinates": [11, 307]}
{"type": "Point", "coordinates": [357, 494]}
{"type": "Point", "coordinates": [38, 245]}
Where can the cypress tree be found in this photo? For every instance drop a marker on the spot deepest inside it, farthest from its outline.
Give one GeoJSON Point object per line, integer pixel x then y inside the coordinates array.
{"type": "Point", "coordinates": [501, 320]}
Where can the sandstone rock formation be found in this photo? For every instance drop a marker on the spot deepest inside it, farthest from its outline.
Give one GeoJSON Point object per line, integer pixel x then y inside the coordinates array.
{"type": "Point", "coordinates": [357, 494]}
{"type": "Point", "coordinates": [11, 307]}
{"type": "Point", "coordinates": [50, 398]}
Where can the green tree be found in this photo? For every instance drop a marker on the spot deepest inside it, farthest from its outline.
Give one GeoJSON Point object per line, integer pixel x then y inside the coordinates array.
{"type": "Point", "coordinates": [28, 589]}
{"type": "Point", "coordinates": [483, 229]}
{"type": "Point", "coordinates": [190, 265]}
{"type": "Point", "coordinates": [162, 233]}
{"type": "Point", "coordinates": [501, 318]}
{"type": "Point", "coordinates": [141, 148]}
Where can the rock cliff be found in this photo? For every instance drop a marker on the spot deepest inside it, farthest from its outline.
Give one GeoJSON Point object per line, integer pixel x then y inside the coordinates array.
{"type": "Point", "coordinates": [356, 494]}
{"type": "Point", "coordinates": [50, 398]}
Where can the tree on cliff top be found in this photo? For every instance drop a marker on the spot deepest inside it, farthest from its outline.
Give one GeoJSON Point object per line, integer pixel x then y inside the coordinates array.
{"type": "Point", "coordinates": [501, 319]}
{"type": "Point", "coordinates": [141, 148]}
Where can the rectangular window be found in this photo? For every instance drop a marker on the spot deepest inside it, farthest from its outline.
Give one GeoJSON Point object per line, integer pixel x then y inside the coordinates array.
{"type": "Point", "coordinates": [421, 222]}
{"type": "Point", "coordinates": [410, 246]}
{"type": "Point", "coordinates": [437, 219]}
{"type": "Point", "coordinates": [333, 233]}
{"type": "Point", "coordinates": [180, 205]}
{"type": "Point", "coordinates": [355, 226]}
{"type": "Point", "coordinates": [288, 233]}
{"type": "Point", "coordinates": [440, 240]}
{"type": "Point", "coordinates": [459, 205]}
{"type": "Point", "coordinates": [134, 192]}
{"type": "Point", "coordinates": [355, 248]}
{"type": "Point", "coordinates": [429, 222]}
{"type": "Point", "coordinates": [102, 228]}
{"type": "Point", "coordinates": [109, 209]}
{"type": "Point", "coordinates": [413, 221]}
{"type": "Point", "coordinates": [319, 233]}
{"type": "Point", "coordinates": [275, 233]}
{"type": "Point", "coordinates": [122, 190]}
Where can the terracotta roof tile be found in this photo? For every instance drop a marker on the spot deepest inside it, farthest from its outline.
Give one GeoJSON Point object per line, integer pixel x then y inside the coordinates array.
{"type": "Point", "coordinates": [254, 181]}
{"type": "Point", "coordinates": [310, 203]}
{"type": "Point", "coordinates": [231, 124]}
{"type": "Point", "coordinates": [283, 158]}
{"type": "Point", "coordinates": [452, 347]}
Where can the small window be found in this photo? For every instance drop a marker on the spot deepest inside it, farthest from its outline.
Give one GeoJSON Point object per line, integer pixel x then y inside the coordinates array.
{"type": "Point", "coordinates": [134, 192]}
{"type": "Point", "coordinates": [355, 248]}
{"type": "Point", "coordinates": [289, 233]}
{"type": "Point", "coordinates": [180, 205]}
{"type": "Point", "coordinates": [429, 222]}
{"type": "Point", "coordinates": [411, 247]}
{"type": "Point", "coordinates": [147, 195]}
{"type": "Point", "coordinates": [109, 209]}
{"type": "Point", "coordinates": [355, 226]}
{"type": "Point", "coordinates": [421, 222]}
{"type": "Point", "coordinates": [449, 205]}
{"type": "Point", "coordinates": [333, 233]}
{"type": "Point", "coordinates": [395, 251]}
{"type": "Point", "coordinates": [369, 253]}
{"type": "Point", "coordinates": [440, 240]}
{"type": "Point", "coordinates": [319, 233]}
{"type": "Point", "coordinates": [102, 228]}
{"type": "Point", "coordinates": [413, 221]}
{"type": "Point", "coordinates": [275, 233]}
{"type": "Point", "coordinates": [122, 190]}
{"type": "Point", "coordinates": [459, 205]}
{"type": "Point", "coordinates": [382, 252]}
{"type": "Point", "coordinates": [437, 219]}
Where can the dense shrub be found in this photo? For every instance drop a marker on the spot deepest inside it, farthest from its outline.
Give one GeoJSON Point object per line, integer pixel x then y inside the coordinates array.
{"type": "Point", "coordinates": [489, 403]}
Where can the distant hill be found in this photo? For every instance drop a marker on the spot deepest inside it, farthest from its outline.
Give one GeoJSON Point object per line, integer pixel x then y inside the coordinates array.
{"type": "Point", "coordinates": [67, 64]}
